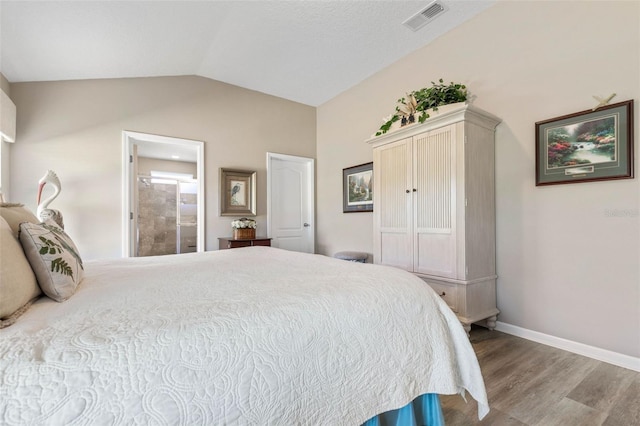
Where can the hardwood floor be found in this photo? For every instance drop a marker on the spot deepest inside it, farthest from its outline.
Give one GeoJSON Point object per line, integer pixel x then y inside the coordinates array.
{"type": "Point", "coordinates": [536, 385]}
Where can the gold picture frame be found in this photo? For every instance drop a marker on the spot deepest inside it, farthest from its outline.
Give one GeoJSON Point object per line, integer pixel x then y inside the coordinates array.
{"type": "Point", "coordinates": [237, 192]}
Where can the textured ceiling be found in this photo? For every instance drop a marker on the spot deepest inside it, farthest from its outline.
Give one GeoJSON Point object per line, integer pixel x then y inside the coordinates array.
{"type": "Point", "coordinates": [305, 51]}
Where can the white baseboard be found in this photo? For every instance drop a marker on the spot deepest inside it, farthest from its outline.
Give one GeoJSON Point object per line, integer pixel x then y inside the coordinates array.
{"type": "Point", "coordinates": [615, 358]}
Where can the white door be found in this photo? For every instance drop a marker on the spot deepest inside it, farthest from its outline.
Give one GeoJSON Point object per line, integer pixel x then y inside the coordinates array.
{"type": "Point", "coordinates": [290, 202]}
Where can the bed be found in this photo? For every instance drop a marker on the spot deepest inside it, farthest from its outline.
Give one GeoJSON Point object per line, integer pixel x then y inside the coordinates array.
{"type": "Point", "coordinates": [252, 336]}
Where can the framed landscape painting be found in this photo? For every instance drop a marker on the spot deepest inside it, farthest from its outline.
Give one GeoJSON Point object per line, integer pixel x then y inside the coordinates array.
{"type": "Point", "coordinates": [357, 188]}
{"type": "Point", "coordinates": [586, 146]}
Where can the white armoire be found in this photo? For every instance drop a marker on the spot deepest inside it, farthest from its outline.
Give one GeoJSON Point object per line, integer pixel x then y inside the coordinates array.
{"type": "Point", "coordinates": [434, 207]}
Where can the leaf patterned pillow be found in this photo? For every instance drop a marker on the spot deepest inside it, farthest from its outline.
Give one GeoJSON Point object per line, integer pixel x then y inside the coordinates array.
{"type": "Point", "coordinates": [53, 257]}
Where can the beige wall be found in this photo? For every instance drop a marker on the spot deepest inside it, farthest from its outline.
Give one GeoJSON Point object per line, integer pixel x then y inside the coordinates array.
{"type": "Point", "coordinates": [5, 85]}
{"type": "Point", "coordinates": [567, 266]}
{"type": "Point", "coordinates": [75, 128]}
{"type": "Point", "coordinates": [5, 150]}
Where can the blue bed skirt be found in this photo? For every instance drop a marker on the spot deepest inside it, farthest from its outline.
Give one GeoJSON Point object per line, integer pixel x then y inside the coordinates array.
{"type": "Point", "coordinates": [424, 410]}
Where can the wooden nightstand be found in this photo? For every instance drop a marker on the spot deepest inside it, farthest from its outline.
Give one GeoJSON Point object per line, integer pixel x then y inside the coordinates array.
{"type": "Point", "coordinates": [229, 242]}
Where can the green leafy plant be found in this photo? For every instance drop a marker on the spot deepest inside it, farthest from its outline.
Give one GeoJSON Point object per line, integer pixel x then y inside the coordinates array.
{"type": "Point", "coordinates": [416, 103]}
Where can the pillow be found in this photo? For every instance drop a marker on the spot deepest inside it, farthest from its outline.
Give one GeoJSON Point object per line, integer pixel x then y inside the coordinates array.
{"type": "Point", "coordinates": [53, 257]}
{"type": "Point", "coordinates": [18, 285]}
{"type": "Point", "coordinates": [15, 214]}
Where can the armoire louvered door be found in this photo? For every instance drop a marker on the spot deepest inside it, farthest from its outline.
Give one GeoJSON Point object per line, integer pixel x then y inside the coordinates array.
{"type": "Point", "coordinates": [393, 244]}
{"type": "Point", "coordinates": [415, 194]}
{"type": "Point", "coordinates": [434, 207]}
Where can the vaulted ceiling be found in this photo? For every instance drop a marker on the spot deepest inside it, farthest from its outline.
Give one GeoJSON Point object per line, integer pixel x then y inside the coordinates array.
{"type": "Point", "coordinates": [304, 51]}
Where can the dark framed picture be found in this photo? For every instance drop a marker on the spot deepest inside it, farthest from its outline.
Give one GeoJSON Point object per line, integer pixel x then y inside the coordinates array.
{"type": "Point", "coordinates": [357, 188]}
{"type": "Point", "coordinates": [237, 192]}
{"type": "Point", "coordinates": [586, 146]}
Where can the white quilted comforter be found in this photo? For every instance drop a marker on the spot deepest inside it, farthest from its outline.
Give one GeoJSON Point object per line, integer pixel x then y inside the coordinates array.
{"type": "Point", "coordinates": [254, 336]}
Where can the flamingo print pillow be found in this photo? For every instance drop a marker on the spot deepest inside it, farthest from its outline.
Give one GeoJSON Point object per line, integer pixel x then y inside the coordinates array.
{"type": "Point", "coordinates": [53, 257]}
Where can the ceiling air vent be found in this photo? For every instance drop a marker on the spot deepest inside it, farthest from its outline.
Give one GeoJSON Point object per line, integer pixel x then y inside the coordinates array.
{"type": "Point", "coordinates": [424, 16]}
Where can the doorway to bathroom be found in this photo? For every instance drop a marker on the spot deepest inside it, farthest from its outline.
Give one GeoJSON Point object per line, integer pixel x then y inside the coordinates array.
{"type": "Point", "coordinates": [163, 195]}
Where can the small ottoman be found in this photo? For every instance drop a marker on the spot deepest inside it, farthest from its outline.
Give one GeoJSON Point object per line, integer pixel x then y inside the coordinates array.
{"type": "Point", "coordinates": [352, 256]}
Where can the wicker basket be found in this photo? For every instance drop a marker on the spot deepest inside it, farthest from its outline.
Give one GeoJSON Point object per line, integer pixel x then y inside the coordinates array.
{"type": "Point", "coordinates": [244, 234]}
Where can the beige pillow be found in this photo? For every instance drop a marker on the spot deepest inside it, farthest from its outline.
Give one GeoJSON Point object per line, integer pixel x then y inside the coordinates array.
{"type": "Point", "coordinates": [15, 214]}
{"type": "Point", "coordinates": [53, 257]}
{"type": "Point", "coordinates": [18, 286]}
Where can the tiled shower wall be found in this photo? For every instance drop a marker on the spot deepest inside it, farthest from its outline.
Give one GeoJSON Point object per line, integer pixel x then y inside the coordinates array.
{"type": "Point", "coordinates": [157, 228]}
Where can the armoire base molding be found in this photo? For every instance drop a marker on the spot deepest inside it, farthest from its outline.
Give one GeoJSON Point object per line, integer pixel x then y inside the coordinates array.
{"type": "Point", "coordinates": [471, 300]}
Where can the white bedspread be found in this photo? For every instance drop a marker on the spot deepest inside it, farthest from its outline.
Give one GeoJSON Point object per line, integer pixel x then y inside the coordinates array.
{"type": "Point", "coordinates": [255, 336]}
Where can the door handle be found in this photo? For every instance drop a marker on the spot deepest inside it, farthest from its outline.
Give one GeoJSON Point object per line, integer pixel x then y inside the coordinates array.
{"type": "Point", "coordinates": [306, 225]}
